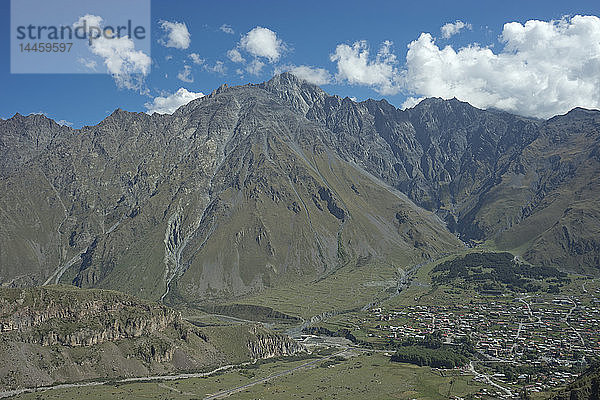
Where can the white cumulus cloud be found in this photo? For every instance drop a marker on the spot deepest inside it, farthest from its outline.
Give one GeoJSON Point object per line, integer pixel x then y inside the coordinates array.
{"type": "Point", "coordinates": [177, 35]}
{"type": "Point", "coordinates": [544, 68]}
{"type": "Point", "coordinates": [263, 42]}
{"type": "Point", "coordinates": [127, 65]}
{"type": "Point", "coordinates": [185, 75]}
{"type": "Point", "coordinates": [168, 104]}
{"type": "Point", "coordinates": [355, 67]}
{"type": "Point", "coordinates": [452, 28]}
{"type": "Point", "coordinates": [235, 56]}
{"type": "Point", "coordinates": [90, 23]}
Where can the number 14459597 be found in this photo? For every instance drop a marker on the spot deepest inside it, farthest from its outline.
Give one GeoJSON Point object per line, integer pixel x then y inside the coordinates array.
{"type": "Point", "coordinates": [46, 47]}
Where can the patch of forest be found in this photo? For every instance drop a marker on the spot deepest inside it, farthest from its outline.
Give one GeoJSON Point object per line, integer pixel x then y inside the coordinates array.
{"type": "Point", "coordinates": [495, 272]}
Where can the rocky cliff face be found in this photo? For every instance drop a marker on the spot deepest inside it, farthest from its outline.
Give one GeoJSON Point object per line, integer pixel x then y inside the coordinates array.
{"type": "Point", "coordinates": [27, 312]}
{"type": "Point", "coordinates": [488, 174]}
{"type": "Point", "coordinates": [63, 316]}
{"type": "Point", "coordinates": [271, 345]}
{"type": "Point", "coordinates": [439, 153]}
{"type": "Point", "coordinates": [552, 188]}
{"type": "Point", "coordinates": [61, 333]}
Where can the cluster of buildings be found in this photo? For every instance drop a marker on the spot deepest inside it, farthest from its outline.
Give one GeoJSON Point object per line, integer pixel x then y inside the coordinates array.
{"type": "Point", "coordinates": [550, 334]}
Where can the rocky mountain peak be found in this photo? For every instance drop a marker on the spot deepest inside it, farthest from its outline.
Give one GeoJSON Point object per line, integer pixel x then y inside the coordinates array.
{"type": "Point", "coordinates": [300, 94]}
{"type": "Point", "coordinates": [38, 119]}
{"type": "Point", "coordinates": [23, 137]}
{"type": "Point", "coordinates": [287, 80]}
{"type": "Point", "coordinates": [443, 108]}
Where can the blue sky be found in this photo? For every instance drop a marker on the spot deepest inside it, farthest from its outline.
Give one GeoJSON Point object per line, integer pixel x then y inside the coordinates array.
{"type": "Point", "coordinates": [333, 36]}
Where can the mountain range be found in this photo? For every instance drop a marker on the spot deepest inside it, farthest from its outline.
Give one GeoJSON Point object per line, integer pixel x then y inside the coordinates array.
{"type": "Point", "coordinates": [259, 185]}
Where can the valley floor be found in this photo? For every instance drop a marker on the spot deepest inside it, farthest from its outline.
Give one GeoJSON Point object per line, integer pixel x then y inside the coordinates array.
{"type": "Point", "coordinates": [350, 375]}
{"type": "Point", "coordinates": [531, 340]}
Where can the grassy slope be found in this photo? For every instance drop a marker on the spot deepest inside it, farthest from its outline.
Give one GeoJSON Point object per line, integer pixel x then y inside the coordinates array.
{"type": "Point", "coordinates": [261, 244]}
{"type": "Point", "coordinates": [29, 240]}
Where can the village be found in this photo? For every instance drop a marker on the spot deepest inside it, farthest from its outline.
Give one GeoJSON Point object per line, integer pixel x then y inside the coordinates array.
{"type": "Point", "coordinates": [536, 342]}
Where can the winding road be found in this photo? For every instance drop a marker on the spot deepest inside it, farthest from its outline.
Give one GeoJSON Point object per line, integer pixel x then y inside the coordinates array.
{"type": "Point", "coordinates": [488, 380]}
{"type": "Point", "coordinates": [10, 393]}
{"type": "Point", "coordinates": [221, 394]}
{"type": "Point", "coordinates": [566, 321]}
